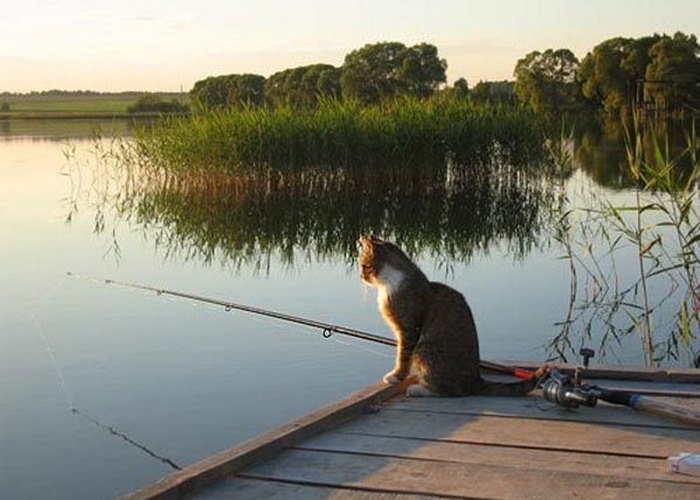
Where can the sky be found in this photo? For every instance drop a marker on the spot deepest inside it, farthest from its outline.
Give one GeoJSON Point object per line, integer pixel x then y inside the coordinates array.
{"type": "Point", "coordinates": [168, 45]}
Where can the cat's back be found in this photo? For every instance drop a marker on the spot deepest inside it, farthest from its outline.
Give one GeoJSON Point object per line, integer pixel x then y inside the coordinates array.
{"type": "Point", "coordinates": [446, 296]}
{"type": "Point", "coordinates": [449, 311]}
{"type": "Point", "coordinates": [449, 344]}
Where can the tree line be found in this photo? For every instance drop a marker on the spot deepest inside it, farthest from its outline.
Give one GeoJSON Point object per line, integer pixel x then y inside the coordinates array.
{"type": "Point", "coordinates": [661, 71]}
{"type": "Point", "coordinates": [369, 75]}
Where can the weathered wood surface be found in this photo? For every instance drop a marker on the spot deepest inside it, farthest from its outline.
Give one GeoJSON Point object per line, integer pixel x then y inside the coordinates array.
{"type": "Point", "coordinates": [489, 447]}
{"type": "Point", "coordinates": [475, 447]}
{"type": "Point", "coordinates": [563, 435]}
{"type": "Point", "coordinates": [535, 407]}
{"type": "Point", "coordinates": [199, 475]}
{"type": "Point", "coordinates": [521, 458]}
{"type": "Point", "coordinates": [389, 474]}
{"type": "Point", "coordinates": [249, 488]}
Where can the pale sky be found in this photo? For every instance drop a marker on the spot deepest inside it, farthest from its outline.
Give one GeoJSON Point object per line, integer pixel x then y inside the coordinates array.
{"type": "Point", "coordinates": [167, 44]}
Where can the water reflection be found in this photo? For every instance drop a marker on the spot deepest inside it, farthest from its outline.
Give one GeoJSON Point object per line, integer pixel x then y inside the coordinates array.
{"type": "Point", "coordinates": [64, 129]}
{"type": "Point", "coordinates": [444, 210]}
{"type": "Point", "coordinates": [599, 148]}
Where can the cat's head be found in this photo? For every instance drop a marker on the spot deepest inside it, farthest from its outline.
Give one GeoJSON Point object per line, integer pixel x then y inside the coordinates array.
{"type": "Point", "coordinates": [377, 255]}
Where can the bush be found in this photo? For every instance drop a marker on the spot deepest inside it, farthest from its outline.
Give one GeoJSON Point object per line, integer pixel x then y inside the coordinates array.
{"type": "Point", "coordinates": [151, 103]}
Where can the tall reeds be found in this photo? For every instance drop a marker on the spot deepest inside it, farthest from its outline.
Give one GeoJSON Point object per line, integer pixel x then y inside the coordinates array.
{"type": "Point", "coordinates": [341, 133]}
{"type": "Point", "coordinates": [635, 264]}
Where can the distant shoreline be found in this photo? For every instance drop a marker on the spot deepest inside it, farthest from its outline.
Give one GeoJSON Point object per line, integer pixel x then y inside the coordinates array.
{"type": "Point", "coordinates": [67, 115]}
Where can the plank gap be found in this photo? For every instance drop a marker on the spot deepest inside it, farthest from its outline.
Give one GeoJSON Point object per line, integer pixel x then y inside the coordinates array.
{"type": "Point", "coordinates": [369, 489]}
{"type": "Point", "coordinates": [543, 418]}
{"type": "Point", "coordinates": [374, 454]}
{"type": "Point", "coordinates": [676, 478]}
{"type": "Point", "coordinates": [499, 445]}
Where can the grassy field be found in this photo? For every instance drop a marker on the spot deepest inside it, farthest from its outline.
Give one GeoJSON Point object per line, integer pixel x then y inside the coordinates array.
{"type": "Point", "coordinates": [70, 104]}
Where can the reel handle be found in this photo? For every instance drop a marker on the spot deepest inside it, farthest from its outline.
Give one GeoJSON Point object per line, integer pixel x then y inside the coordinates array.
{"type": "Point", "coordinates": [587, 354]}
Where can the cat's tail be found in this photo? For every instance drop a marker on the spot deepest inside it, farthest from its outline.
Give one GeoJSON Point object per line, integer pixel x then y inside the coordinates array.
{"type": "Point", "coordinates": [519, 388]}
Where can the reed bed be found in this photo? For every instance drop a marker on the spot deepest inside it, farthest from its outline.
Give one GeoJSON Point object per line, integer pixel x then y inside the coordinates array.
{"type": "Point", "coordinates": [404, 132]}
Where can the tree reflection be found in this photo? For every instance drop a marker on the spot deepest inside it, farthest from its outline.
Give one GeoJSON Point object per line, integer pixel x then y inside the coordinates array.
{"type": "Point", "coordinates": [600, 148]}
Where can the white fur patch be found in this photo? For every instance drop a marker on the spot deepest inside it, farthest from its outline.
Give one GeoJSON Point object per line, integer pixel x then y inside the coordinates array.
{"type": "Point", "coordinates": [389, 281]}
{"type": "Point", "coordinates": [391, 379]}
{"type": "Point", "coordinates": [419, 391]}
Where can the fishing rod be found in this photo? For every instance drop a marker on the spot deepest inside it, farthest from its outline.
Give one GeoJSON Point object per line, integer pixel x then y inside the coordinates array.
{"type": "Point", "coordinates": [327, 328]}
{"type": "Point", "coordinates": [569, 391]}
{"type": "Point", "coordinates": [559, 388]}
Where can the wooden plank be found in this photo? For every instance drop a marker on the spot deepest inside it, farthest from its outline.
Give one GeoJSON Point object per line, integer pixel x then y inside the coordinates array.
{"type": "Point", "coordinates": [560, 461]}
{"type": "Point", "coordinates": [534, 407]}
{"type": "Point", "coordinates": [256, 488]}
{"type": "Point", "coordinates": [677, 375]}
{"type": "Point", "coordinates": [236, 458]}
{"type": "Point", "coordinates": [652, 442]}
{"type": "Point", "coordinates": [399, 475]}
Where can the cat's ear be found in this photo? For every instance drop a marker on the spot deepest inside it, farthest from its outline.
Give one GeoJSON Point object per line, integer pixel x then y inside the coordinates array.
{"type": "Point", "coordinates": [370, 241]}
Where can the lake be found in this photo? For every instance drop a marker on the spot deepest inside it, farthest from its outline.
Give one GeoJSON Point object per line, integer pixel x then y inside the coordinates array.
{"type": "Point", "coordinates": [185, 380]}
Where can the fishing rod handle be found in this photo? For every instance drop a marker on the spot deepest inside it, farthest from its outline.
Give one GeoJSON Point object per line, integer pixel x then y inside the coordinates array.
{"type": "Point", "coordinates": [661, 408]}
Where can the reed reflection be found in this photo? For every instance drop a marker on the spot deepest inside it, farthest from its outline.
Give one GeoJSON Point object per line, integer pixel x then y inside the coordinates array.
{"type": "Point", "coordinates": [444, 210]}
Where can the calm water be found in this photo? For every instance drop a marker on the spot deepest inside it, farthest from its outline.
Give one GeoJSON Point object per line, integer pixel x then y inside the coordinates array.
{"type": "Point", "coordinates": [188, 380]}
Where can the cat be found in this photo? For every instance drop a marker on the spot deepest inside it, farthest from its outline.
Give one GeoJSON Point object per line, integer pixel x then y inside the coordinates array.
{"type": "Point", "coordinates": [434, 327]}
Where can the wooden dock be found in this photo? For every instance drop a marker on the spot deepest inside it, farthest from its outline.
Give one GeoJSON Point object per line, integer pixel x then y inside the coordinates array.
{"type": "Point", "coordinates": [378, 444]}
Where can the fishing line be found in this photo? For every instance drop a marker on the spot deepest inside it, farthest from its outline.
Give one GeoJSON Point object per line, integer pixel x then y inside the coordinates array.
{"type": "Point", "coordinates": [75, 411]}
{"type": "Point", "coordinates": [36, 300]}
{"type": "Point", "coordinates": [126, 438]}
{"type": "Point", "coordinates": [327, 328]}
{"type": "Point", "coordinates": [54, 362]}
{"type": "Point", "coordinates": [306, 332]}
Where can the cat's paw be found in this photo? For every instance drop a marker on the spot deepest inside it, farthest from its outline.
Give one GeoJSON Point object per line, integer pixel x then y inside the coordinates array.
{"type": "Point", "coordinates": [419, 391]}
{"type": "Point", "coordinates": [391, 379]}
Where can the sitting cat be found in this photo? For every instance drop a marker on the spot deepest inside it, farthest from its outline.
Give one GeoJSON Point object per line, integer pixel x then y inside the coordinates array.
{"type": "Point", "coordinates": [434, 328]}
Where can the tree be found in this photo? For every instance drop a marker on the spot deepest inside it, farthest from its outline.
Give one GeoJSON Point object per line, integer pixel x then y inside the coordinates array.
{"type": "Point", "coordinates": [665, 68]}
{"type": "Point", "coordinates": [481, 92]}
{"type": "Point", "coordinates": [5, 107]}
{"type": "Point", "coordinates": [601, 76]}
{"type": "Point", "coordinates": [153, 103]}
{"type": "Point", "coordinates": [387, 69]}
{"type": "Point", "coordinates": [246, 90]}
{"type": "Point", "coordinates": [226, 91]}
{"type": "Point", "coordinates": [460, 88]}
{"type": "Point", "coordinates": [611, 74]}
{"type": "Point", "coordinates": [501, 92]}
{"type": "Point", "coordinates": [421, 70]}
{"type": "Point", "coordinates": [303, 86]}
{"type": "Point", "coordinates": [673, 72]}
{"type": "Point", "coordinates": [212, 92]}
{"type": "Point", "coordinates": [546, 82]}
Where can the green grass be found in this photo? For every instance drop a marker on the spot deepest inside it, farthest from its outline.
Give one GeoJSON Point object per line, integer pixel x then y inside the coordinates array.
{"type": "Point", "coordinates": [404, 132]}
{"type": "Point", "coordinates": [72, 105]}
{"type": "Point", "coordinates": [66, 104]}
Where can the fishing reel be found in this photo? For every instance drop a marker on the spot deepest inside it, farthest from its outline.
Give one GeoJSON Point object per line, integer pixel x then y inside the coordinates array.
{"type": "Point", "coordinates": [567, 391]}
